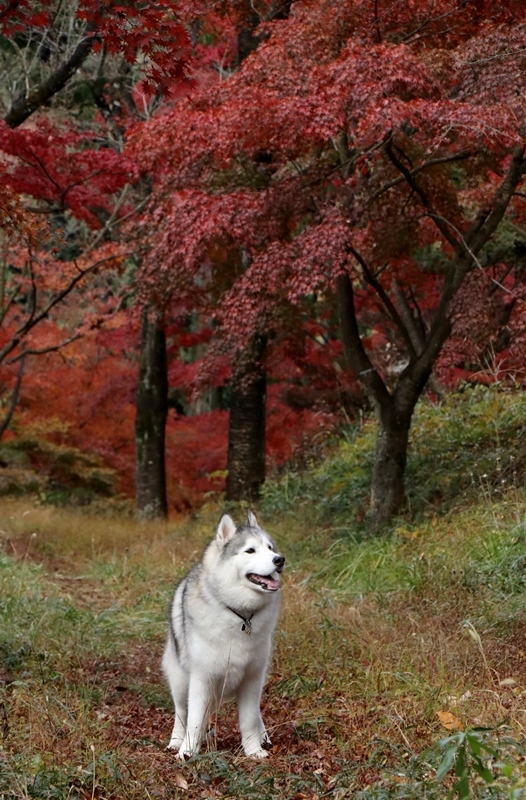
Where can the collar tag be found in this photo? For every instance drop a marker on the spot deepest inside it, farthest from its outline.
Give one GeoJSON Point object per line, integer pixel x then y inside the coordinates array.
{"type": "Point", "coordinates": [247, 626]}
{"type": "Point", "coordinates": [247, 621]}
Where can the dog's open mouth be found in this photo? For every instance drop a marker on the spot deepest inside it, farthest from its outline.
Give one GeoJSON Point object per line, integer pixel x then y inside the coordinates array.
{"type": "Point", "coordinates": [266, 582]}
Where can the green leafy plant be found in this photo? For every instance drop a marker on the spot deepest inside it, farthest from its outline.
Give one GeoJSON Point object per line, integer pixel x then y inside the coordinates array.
{"type": "Point", "coordinates": [478, 755]}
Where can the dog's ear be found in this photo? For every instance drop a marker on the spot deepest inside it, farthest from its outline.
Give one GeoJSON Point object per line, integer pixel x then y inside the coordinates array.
{"type": "Point", "coordinates": [251, 520]}
{"type": "Point", "coordinates": [225, 530]}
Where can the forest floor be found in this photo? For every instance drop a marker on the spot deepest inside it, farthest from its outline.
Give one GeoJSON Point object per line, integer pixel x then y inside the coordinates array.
{"type": "Point", "coordinates": [399, 667]}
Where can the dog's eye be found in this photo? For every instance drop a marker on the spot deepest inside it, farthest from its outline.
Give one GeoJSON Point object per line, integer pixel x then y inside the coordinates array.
{"type": "Point", "coordinates": [270, 547]}
{"type": "Point", "coordinates": [250, 550]}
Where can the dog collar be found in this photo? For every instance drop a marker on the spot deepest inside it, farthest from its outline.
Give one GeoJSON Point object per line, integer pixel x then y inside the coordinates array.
{"type": "Point", "coordinates": [247, 621]}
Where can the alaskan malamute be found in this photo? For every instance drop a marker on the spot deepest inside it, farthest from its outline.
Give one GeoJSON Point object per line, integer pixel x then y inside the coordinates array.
{"type": "Point", "coordinates": [222, 618]}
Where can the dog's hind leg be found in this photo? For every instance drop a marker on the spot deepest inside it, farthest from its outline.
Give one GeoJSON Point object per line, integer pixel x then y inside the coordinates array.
{"type": "Point", "coordinates": [178, 683]}
{"type": "Point", "coordinates": [253, 733]}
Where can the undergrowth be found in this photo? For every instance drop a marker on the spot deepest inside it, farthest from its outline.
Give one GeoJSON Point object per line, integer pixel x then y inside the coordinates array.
{"type": "Point", "coordinates": [56, 473]}
{"type": "Point", "coordinates": [399, 668]}
{"type": "Point", "coordinates": [471, 443]}
{"type": "Point", "coordinates": [396, 662]}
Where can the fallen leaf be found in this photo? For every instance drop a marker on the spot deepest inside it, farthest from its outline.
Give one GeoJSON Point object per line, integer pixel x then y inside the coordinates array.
{"type": "Point", "coordinates": [180, 781]}
{"type": "Point", "coordinates": [449, 721]}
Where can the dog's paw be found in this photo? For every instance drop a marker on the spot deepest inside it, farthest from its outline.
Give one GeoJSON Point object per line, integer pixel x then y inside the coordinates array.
{"type": "Point", "coordinates": [186, 751]}
{"type": "Point", "coordinates": [182, 753]}
{"type": "Point", "coordinates": [259, 754]}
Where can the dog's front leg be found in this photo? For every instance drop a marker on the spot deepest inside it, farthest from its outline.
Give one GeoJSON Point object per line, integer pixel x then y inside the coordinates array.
{"type": "Point", "coordinates": [253, 733]}
{"type": "Point", "coordinates": [179, 728]}
{"type": "Point", "coordinates": [199, 703]}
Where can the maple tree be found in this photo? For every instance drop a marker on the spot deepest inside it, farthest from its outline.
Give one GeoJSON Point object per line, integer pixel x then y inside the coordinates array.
{"type": "Point", "coordinates": [247, 381]}
{"type": "Point", "coordinates": [70, 57]}
{"type": "Point", "coordinates": [370, 151]}
{"type": "Point", "coordinates": [52, 251]}
{"type": "Point", "coordinates": [73, 59]}
{"type": "Point", "coordinates": [45, 43]}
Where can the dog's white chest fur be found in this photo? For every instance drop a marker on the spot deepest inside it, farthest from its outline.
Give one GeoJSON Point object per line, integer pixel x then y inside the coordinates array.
{"type": "Point", "coordinates": [223, 616]}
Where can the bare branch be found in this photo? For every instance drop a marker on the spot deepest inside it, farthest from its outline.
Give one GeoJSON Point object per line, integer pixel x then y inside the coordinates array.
{"type": "Point", "coordinates": [28, 102]}
{"type": "Point", "coordinates": [35, 318]}
{"type": "Point", "coordinates": [460, 156]}
{"type": "Point", "coordinates": [495, 56]}
{"type": "Point", "coordinates": [355, 354]}
{"type": "Point", "coordinates": [43, 350]}
{"type": "Point", "coordinates": [409, 177]}
{"type": "Point", "coordinates": [416, 33]}
{"type": "Point", "coordinates": [385, 299]}
{"type": "Point", "coordinates": [489, 217]}
{"type": "Point", "coordinates": [8, 303]}
{"type": "Point", "coordinates": [416, 334]}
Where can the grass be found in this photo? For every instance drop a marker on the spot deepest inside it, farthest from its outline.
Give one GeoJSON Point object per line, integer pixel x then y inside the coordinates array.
{"type": "Point", "coordinates": [377, 639]}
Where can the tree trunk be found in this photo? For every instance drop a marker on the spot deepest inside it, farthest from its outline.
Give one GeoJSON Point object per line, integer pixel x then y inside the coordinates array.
{"type": "Point", "coordinates": [150, 421]}
{"type": "Point", "coordinates": [388, 486]}
{"type": "Point", "coordinates": [393, 413]}
{"type": "Point", "coordinates": [6, 422]}
{"type": "Point", "coordinates": [246, 433]}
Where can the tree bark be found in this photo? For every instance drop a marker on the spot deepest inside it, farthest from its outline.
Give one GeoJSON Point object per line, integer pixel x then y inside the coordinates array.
{"type": "Point", "coordinates": [26, 104]}
{"type": "Point", "coordinates": [15, 394]}
{"type": "Point", "coordinates": [246, 433]}
{"type": "Point", "coordinates": [388, 485]}
{"type": "Point", "coordinates": [150, 421]}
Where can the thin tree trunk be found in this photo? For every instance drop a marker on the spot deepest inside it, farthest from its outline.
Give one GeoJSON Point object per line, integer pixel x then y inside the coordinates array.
{"type": "Point", "coordinates": [150, 422]}
{"type": "Point", "coordinates": [388, 485]}
{"type": "Point", "coordinates": [246, 434]}
{"type": "Point", "coordinates": [4, 425]}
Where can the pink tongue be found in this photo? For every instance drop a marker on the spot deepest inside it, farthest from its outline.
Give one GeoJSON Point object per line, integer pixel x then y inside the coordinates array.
{"type": "Point", "coordinates": [269, 583]}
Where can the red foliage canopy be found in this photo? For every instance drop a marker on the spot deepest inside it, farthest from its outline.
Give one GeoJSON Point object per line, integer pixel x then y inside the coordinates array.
{"type": "Point", "coordinates": [64, 169]}
{"type": "Point", "coordinates": [370, 140]}
{"type": "Point", "coordinates": [358, 137]}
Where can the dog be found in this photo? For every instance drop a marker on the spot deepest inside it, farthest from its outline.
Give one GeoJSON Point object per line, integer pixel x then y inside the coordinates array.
{"type": "Point", "coordinates": [222, 619]}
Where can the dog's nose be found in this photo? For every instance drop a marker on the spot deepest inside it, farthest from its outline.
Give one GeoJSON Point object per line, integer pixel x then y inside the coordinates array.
{"type": "Point", "coordinates": [279, 561]}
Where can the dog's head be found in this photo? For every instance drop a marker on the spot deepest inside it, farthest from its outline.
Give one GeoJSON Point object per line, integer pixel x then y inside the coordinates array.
{"type": "Point", "coordinates": [250, 553]}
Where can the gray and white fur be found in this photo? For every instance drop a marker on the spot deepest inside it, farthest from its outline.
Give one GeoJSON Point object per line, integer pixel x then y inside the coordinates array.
{"type": "Point", "coordinates": [222, 620]}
